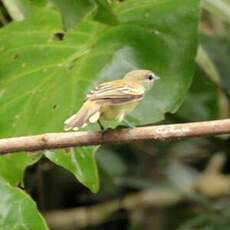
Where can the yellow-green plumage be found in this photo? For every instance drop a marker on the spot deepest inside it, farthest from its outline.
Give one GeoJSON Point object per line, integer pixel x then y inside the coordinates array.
{"type": "Point", "coordinates": [113, 100]}
{"type": "Point", "coordinates": [117, 112]}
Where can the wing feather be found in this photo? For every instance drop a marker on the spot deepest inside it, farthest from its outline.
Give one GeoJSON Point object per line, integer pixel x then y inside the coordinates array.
{"type": "Point", "coordinates": [117, 92]}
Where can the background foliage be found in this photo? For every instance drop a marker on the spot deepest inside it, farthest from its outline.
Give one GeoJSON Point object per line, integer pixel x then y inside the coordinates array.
{"type": "Point", "coordinates": [52, 53]}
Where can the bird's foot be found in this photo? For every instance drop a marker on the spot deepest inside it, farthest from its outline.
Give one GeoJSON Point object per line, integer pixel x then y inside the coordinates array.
{"type": "Point", "coordinates": [130, 126]}
{"type": "Point", "coordinates": [101, 126]}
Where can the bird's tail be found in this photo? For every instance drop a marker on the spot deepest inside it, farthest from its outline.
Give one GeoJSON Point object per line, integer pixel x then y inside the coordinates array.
{"type": "Point", "coordinates": [89, 112]}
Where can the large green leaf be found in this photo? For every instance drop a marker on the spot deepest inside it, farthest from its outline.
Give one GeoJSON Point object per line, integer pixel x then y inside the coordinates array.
{"type": "Point", "coordinates": [167, 32]}
{"type": "Point", "coordinates": [18, 210]}
{"type": "Point", "coordinates": [45, 73]}
{"type": "Point", "coordinates": [12, 166]}
{"type": "Point", "coordinates": [81, 162]}
{"type": "Point", "coordinates": [44, 80]}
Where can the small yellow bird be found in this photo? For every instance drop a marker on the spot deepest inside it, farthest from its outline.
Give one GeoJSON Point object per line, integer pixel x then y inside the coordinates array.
{"type": "Point", "coordinates": [113, 100]}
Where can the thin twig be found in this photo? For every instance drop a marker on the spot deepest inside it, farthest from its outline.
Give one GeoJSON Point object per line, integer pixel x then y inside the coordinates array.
{"type": "Point", "coordinates": [72, 139]}
{"type": "Point", "coordinates": [77, 218]}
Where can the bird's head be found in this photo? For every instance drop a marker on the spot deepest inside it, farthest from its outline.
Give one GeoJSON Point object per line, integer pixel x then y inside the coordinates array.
{"type": "Point", "coordinates": [144, 77]}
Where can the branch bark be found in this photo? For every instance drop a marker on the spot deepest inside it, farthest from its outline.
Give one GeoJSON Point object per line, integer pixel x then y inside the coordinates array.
{"type": "Point", "coordinates": [72, 139]}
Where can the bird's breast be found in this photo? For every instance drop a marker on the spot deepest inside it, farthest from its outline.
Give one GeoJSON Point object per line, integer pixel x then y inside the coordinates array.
{"type": "Point", "coordinates": [117, 112]}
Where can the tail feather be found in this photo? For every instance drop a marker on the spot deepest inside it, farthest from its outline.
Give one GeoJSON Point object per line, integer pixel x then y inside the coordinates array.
{"type": "Point", "coordinates": [89, 112]}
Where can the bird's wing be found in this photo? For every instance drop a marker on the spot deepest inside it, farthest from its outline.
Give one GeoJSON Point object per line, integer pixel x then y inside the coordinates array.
{"type": "Point", "coordinates": [117, 92]}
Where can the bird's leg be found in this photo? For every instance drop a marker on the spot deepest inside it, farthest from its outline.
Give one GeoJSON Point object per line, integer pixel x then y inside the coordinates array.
{"type": "Point", "coordinates": [101, 126]}
{"type": "Point", "coordinates": [131, 126]}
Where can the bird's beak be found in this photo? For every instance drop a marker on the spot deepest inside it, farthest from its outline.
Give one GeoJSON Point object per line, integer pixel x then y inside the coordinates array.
{"type": "Point", "coordinates": [157, 77]}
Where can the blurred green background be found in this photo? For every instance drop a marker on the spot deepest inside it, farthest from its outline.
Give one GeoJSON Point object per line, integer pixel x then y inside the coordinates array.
{"type": "Point", "coordinates": [53, 52]}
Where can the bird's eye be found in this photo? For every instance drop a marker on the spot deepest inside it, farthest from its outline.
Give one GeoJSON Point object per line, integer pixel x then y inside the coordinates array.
{"type": "Point", "coordinates": [150, 77]}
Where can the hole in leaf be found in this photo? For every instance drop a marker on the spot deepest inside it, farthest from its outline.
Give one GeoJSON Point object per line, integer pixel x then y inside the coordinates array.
{"type": "Point", "coordinates": [15, 56]}
{"type": "Point", "coordinates": [54, 106]}
{"type": "Point", "coordinates": [59, 36]}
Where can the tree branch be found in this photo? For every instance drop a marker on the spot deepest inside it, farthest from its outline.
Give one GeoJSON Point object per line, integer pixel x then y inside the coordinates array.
{"type": "Point", "coordinates": [72, 139]}
{"type": "Point", "coordinates": [82, 217]}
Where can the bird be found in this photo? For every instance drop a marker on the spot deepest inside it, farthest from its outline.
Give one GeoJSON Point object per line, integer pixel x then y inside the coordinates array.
{"type": "Point", "coordinates": [112, 100]}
